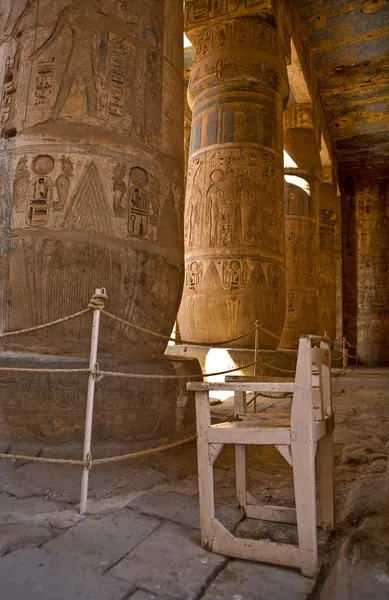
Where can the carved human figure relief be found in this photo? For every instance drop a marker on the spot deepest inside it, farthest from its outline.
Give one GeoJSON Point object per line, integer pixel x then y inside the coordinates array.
{"type": "Point", "coordinates": [118, 189]}
{"type": "Point", "coordinates": [249, 209]}
{"type": "Point", "coordinates": [219, 210]}
{"type": "Point", "coordinates": [138, 202]}
{"type": "Point", "coordinates": [192, 212]}
{"type": "Point", "coordinates": [21, 185]}
{"type": "Point", "coordinates": [80, 59]}
{"type": "Point", "coordinates": [62, 183]}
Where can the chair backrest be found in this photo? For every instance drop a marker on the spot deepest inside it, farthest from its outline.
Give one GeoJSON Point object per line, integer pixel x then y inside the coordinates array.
{"type": "Point", "coordinates": [313, 386]}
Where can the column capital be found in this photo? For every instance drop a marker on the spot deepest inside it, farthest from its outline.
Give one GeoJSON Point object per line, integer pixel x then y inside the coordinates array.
{"type": "Point", "coordinates": [201, 14]}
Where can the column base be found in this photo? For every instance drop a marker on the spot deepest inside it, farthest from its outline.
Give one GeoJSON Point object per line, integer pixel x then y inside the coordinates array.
{"type": "Point", "coordinates": [49, 406]}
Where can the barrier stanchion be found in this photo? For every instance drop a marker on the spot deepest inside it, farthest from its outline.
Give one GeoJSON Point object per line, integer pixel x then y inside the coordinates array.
{"type": "Point", "coordinates": [100, 294]}
{"type": "Point", "coordinates": [345, 354]}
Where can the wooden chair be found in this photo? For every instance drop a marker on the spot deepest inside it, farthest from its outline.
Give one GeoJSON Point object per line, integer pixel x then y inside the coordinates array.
{"type": "Point", "coordinates": [302, 437]}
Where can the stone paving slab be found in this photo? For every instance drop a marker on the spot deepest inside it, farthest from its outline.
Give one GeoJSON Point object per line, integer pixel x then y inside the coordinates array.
{"type": "Point", "coordinates": [170, 562]}
{"type": "Point", "coordinates": [244, 580]}
{"type": "Point", "coordinates": [21, 535]}
{"type": "Point", "coordinates": [100, 542]}
{"type": "Point", "coordinates": [62, 482]}
{"type": "Point", "coordinates": [34, 574]}
{"type": "Point", "coordinates": [145, 595]}
{"type": "Point", "coordinates": [182, 508]}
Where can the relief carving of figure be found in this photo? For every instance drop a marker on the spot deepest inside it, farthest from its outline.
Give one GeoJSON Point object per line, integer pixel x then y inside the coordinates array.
{"type": "Point", "coordinates": [62, 183]}
{"type": "Point", "coordinates": [80, 59]}
{"type": "Point", "coordinates": [219, 210]}
{"type": "Point", "coordinates": [118, 188]}
{"type": "Point", "coordinates": [248, 208]}
{"type": "Point", "coordinates": [21, 185]}
{"type": "Point", "coordinates": [192, 215]}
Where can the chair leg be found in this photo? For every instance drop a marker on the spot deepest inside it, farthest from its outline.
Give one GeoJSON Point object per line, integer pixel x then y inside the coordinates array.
{"type": "Point", "coordinates": [241, 475]}
{"type": "Point", "coordinates": [303, 456]}
{"type": "Point", "coordinates": [205, 469]}
{"type": "Point", "coordinates": [325, 468]}
{"type": "Point", "coordinates": [241, 457]}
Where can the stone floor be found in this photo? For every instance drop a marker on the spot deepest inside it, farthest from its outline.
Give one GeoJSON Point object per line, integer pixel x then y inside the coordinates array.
{"type": "Point", "coordinates": [141, 537]}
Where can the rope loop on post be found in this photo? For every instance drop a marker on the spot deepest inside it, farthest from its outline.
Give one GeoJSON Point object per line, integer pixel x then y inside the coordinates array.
{"type": "Point", "coordinates": [97, 302]}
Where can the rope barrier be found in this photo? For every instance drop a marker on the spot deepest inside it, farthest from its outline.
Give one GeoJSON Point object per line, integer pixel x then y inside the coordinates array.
{"type": "Point", "coordinates": [170, 339]}
{"type": "Point", "coordinates": [99, 461]}
{"type": "Point", "coordinates": [97, 306]}
{"type": "Point", "coordinates": [42, 459]}
{"type": "Point", "coordinates": [46, 325]}
{"type": "Point", "coordinates": [62, 371]}
{"type": "Point", "coordinates": [348, 344]}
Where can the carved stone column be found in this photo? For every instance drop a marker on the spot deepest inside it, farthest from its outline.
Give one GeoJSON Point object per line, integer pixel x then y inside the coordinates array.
{"type": "Point", "coordinates": [91, 167]}
{"type": "Point", "coordinates": [366, 267]}
{"type": "Point", "coordinates": [91, 195]}
{"type": "Point", "coordinates": [301, 226]}
{"type": "Point", "coordinates": [339, 272]}
{"type": "Point", "coordinates": [329, 211]}
{"type": "Point", "coordinates": [234, 242]}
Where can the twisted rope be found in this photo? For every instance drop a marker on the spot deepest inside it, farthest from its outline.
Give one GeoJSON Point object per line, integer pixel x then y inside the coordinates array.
{"type": "Point", "coordinates": [170, 339]}
{"type": "Point", "coordinates": [45, 325]}
{"type": "Point", "coordinates": [97, 302]}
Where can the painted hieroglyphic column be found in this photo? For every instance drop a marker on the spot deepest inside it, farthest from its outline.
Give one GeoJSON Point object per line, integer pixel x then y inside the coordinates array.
{"type": "Point", "coordinates": [301, 225]}
{"type": "Point", "coordinates": [365, 201]}
{"type": "Point", "coordinates": [329, 211]}
{"type": "Point", "coordinates": [234, 241]}
{"type": "Point", "coordinates": [91, 168]}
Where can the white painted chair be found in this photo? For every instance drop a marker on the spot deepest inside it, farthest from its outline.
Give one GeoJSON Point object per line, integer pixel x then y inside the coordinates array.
{"type": "Point", "coordinates": [304, 437]}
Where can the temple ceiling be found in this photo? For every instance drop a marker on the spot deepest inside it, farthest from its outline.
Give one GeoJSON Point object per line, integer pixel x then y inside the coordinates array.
{"type": "Point", "coordinates": [349, 42]}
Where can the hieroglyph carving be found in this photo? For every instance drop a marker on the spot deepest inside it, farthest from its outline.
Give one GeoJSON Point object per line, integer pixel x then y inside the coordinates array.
{"type": "Point", "coordinates": [242, 32]}
{"type": "Point", "coordinates": [194, 275]}
{"type": "Point", "coordinates": [8, 89]}
{"type": "Point", "coordinates": [198, 11]}
{"type": "Point", "coordinates": [138, 203]}
{"type": "Point", "coordinates": [39, 201]}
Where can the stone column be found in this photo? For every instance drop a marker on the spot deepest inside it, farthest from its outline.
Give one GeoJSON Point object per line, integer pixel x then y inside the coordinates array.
{"type": "Point", "coordinates": [301, 226]}
{"type": "Point", "coordinates": [91, 195]}
{"type": "Point", "coordinates": [339, 272]}
{"type": "Point", "coordinates": [366, 267]}
{"type": "Point", "coordinates": [91, 167]}
{"type": "Point", "coordinates": [329, 211]}
{"type": "Point", "coordinates": [234, 243]}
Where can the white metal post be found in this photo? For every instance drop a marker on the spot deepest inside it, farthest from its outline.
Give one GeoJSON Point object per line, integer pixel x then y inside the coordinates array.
{"type": "Point", "coordinates": [89, 404]}
{"type": "Point", "coordinates": [256, 353]}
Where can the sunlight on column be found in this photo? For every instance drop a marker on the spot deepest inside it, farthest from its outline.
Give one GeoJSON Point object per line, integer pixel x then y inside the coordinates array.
{"type": "Point", "coordinates": [298, 182]}
{"type": "Point", "coordinates": [187, 43]}
{"type": "Point", "coordinates": [219, 359]}
{"type": "Point", "coordinates": [289, 162]}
